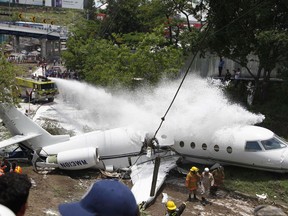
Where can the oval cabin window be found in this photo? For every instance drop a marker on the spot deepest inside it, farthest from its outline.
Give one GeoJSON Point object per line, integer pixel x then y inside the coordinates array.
{"type": "Point", "coordinates": [216, 148]}
{"type": "Point", "coordinates": [229, 149]}
{"type": "Point", "coordinates": [204, 146]}
{"type": "Point", "coordinates": [181, 144]}
{"type": "Point", "coordinates": [192, 144]}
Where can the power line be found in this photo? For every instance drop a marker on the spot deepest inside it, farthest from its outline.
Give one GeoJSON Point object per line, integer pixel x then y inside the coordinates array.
{"type": "Point", "coordinates": [194, 56]}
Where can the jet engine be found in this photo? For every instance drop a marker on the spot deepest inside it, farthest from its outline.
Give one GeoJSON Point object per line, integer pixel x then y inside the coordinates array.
{"type": "Point", "coordinates": [76, 159]}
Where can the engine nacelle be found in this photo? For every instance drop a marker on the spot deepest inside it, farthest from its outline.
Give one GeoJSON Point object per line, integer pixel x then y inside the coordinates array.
{"type": "Point", "coordinates": [76, 159]}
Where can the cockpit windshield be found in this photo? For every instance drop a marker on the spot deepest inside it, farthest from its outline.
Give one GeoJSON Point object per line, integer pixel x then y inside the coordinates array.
{"type": "Point", "coordinates": [274, 143]}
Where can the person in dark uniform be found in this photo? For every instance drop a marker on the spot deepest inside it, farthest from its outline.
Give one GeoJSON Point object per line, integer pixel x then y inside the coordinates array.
{"type": "Point", "coordinates": [220, 66]}
{"type": "Point", "coordinates": [6, 166]}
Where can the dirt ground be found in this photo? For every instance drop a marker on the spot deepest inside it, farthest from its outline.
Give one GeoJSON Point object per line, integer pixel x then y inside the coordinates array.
{"type": "Point", "coordinates": [51, 189]}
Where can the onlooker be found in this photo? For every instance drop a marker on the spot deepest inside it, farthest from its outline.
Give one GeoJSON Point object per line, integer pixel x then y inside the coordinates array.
{"type": "Point", "coordinates": [172, 209]}
{"type": "Point", "coordinates": [207, 180]}
{"type": "Point", "coordinates": [227, 75]}
{"type": "Point", "coordinates": [105, 198]}
{"type": "Point", "coordinates": [220, 66]}
{"type": "Point", "coordinates": [14, 192]}
{"type": "Point", "coordinates": [192, 180]}
{"type": "Point", "coordinates": [237, 76]}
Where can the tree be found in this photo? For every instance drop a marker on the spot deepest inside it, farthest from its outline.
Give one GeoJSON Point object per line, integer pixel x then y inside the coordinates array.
{"type": "Point", "coordinates": [76, 53]}
{"type": "Point", "coordinates": [8, 93]}
{"type": "Point", "coordinates": [90, 10]}
{"type": "Point", "coordinates": [240, 29]}
{"type": "Point", "coordinates": [121, 17]}
{"type": "Point", "coordinates": [112, 54]}
{"type": "Point", "coordinates": [111, 65]}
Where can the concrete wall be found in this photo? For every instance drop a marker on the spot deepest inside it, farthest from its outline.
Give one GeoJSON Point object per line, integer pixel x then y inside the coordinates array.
{"type": "Point", "coordinates": [208, 66]}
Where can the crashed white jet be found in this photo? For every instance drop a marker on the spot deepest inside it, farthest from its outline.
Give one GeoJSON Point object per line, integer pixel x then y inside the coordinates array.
{"type": "Point", "coordinates": [115, 148]}
{"type": "Point", "coordinates": [245, 146]}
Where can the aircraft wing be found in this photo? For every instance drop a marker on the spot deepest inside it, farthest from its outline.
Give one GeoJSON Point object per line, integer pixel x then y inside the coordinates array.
{"type": "Point", "coordinates": [142, 175]}
{"type": "Point", "coordinates": [16, 139]}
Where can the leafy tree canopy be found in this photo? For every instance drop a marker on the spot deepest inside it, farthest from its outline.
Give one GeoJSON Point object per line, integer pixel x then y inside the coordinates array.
{"type": "Point", "coordinates": [8, 93]}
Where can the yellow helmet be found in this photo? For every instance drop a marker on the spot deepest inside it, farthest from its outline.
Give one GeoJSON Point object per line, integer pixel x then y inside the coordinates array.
{"type": "Point", "coordinates": [171, 205]}
{"type": "Point", "coordinates": [18, 169]}
{"type": "Point", "coordinates": [194, 169]}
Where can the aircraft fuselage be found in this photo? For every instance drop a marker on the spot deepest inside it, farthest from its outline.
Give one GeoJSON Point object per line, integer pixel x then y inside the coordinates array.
{"type": "Point", "coordinates": [246, 146]}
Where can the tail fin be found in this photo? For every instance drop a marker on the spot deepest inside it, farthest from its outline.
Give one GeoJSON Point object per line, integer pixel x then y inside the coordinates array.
{"type": "Point", "coordinates": [19, 124]}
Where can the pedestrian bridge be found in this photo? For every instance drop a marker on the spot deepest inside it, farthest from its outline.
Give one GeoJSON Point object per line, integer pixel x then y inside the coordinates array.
{"type": "Point", "coordinates": [21, 31]}
{"type": "Point", "coordinates": [49, 38]}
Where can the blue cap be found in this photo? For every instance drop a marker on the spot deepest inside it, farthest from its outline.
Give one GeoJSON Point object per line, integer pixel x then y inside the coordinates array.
{"type": "Point", "coordinates": [104, 198]}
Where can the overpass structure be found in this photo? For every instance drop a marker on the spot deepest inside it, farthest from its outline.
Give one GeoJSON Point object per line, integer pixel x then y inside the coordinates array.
{"type": "Point", "coordinates": [50, 39]}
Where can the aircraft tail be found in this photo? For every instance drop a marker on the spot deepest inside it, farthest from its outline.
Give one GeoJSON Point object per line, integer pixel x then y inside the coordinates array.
{"type": "Point", "coordinates": [33, 136]}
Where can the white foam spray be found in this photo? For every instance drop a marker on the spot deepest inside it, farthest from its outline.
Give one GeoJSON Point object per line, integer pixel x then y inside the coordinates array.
{"type": "Point", "coordinates": [199, 109]}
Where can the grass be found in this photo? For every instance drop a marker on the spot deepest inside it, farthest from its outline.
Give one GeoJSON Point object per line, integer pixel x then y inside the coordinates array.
{"type": "Point", "coordinates": [252, 182]}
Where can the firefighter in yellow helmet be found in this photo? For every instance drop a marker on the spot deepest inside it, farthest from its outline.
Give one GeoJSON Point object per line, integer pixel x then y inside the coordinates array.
{"type": "Point", "coordinates": [16, 168]}
{"type": "Point", "coordinates": [172, 209]}
{"type": "Point", "coordinates": [192, 180]}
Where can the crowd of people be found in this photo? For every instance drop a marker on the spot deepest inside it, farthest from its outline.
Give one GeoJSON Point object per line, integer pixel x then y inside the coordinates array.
{"type": "Point", "coordinates": [228, 76]}
{"type": "Point", "coordinates": [7, 167]}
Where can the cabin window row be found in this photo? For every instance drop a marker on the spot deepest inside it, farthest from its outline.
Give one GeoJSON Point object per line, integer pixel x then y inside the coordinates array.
{"type": "Point", "coordinates": [204, 146]}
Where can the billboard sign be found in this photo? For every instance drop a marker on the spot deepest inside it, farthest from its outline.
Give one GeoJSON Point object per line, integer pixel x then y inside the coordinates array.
{"type": "Point", "coordinates": [73, 4]}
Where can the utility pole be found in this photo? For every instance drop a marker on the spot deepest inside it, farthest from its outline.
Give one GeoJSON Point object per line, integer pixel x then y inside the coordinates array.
{"type": "Point", "coordinates": [10, 15]}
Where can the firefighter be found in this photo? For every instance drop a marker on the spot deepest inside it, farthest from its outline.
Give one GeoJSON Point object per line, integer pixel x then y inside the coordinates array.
{"type": "Point", "coordinates": [219, 176]}
{"type": "Point", "coordinates": [16, 168]}
{"type": "Point", "coordinates": [192, 180]}
{"type": "Point", "coordinates": [172, 209]}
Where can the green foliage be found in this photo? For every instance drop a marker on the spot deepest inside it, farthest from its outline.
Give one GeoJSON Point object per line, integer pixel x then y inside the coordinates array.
{"type": "Point", "coordinates": [122, 17]}
{"type": "Point", "coordinates": [252, 182]}
{"type": "Point", "coordinates": [111, 65]}
{"type": "Point", "coordinates": [272, 48]}
{"type": "Point", "coordinates": [8, 93]}
{"type": "Point", "coordinates": [247, 27]}
{"type": "Point", "coordinates": [116, 62]}
{"type": "Point", "coordinates": [239, 29]}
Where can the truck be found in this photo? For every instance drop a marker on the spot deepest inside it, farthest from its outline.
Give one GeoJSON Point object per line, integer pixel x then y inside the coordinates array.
{"type": "Point", "coordinates": [36, 89]}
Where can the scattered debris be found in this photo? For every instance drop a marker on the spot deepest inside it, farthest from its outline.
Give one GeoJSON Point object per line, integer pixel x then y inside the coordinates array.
{"type": "Point", "coordinates": [50, 212]}
{"type": "Point", "coordinates": [33, 182]}
{"type": "Point", "coordinates": [165, 198]}
{"type": "Point", "coordinates": [110, 174]}
{"type": "Point", "coordinates": [262, 196]}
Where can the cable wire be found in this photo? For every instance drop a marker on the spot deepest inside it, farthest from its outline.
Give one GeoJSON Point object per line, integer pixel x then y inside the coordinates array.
{"type": "Point", "coordinates": [182, 81]}
{"type": "Point", "coordinates": [194, 56]}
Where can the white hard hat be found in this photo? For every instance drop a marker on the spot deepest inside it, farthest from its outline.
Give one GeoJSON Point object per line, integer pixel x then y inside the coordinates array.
{"type": "Point", "coordinates": [206, 169]}
{"type": "Point", "coordinates": [6, 211]}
